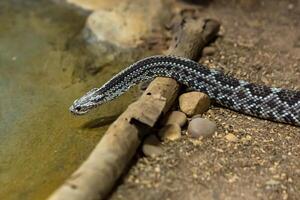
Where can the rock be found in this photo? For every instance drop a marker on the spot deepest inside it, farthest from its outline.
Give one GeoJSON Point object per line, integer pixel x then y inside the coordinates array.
{"type": "Point", "coordinates": [199, 127]}
{"type": "Point", "coordinates": [192, 103]}
{"type": "Point", "coordinates": [152, 146]}
{"type": "Point", "coordinates": [120, 31]}
{"type": "Point", "coordinates": [92, 5]}
{"type": "Point", "coordinates": [176, 117]}
{"type": "Point", "coordinates": [208, 51]}
{"type": "Point", "coordinates": [291, 6]}
{"type": "Point", "coordinates": [272, 182]}
{"type": "Point", "coordinates": [247, 138]}
{"type": "Point", "coordinates": [231, 138]}
{"type": "Point", "coordinates": [170, 132]}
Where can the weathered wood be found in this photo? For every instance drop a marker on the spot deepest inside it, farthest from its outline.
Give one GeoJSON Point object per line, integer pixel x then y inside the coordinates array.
{"type": "Point", "coordinates": [95, 178]}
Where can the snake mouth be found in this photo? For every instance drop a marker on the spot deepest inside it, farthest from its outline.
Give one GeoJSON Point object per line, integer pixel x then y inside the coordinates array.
{"type": "Point", "coordinates": [76, 110]}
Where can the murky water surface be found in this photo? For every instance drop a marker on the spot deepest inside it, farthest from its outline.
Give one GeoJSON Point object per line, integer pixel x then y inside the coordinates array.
{"type": "Point", "coordinates": [41, 143]}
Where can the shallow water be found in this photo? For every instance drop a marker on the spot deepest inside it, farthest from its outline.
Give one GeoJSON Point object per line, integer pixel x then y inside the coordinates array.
{"type": "Point", "coordinates": [41, 143]}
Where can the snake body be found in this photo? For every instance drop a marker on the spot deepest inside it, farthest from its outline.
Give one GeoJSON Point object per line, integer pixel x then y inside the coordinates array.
{"type": "Point", "coordinates": [275, 104]}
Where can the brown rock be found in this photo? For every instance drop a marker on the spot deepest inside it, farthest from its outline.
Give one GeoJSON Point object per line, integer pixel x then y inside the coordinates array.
{"type": "Point", "coordinates": [152, 146]}
{"type": "Point", "coordinates": [199, 127]}
{"type": "Point", "coordinates": [192, 103]}
{"type": "Point", "coordinates": [176, 117]}
{"type": "Point", "coordinates": [170, 132]}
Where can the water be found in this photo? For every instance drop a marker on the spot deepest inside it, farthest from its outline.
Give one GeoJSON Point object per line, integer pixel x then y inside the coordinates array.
{"type": "Point", "coordinates": [41, 143]}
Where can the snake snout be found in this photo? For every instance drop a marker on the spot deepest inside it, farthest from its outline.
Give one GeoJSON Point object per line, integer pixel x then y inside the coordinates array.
{"type": "Point", "coordinates": [77, 110]}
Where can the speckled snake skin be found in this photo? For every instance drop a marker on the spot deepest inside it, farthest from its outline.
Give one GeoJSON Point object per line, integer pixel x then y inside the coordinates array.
{"type": "Point", "coordinates": [276, 104]}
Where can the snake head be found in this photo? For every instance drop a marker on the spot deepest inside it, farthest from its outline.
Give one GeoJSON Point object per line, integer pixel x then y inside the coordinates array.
{"type": "Point", "coordinates": [90, 100]}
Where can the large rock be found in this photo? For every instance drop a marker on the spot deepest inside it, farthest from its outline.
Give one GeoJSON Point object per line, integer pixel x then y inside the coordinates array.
{"type": "Point", "coordinates": [120, 31]}
{"type": "Point", "coordinates": [92, 5]}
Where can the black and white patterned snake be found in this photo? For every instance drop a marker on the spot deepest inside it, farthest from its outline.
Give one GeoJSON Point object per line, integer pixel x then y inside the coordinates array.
{"type": "Point", "coordinates": [275, 104]}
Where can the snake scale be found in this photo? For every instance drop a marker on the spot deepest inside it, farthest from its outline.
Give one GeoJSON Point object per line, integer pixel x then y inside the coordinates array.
{"type": "Point", "coordinates": [275, 104]}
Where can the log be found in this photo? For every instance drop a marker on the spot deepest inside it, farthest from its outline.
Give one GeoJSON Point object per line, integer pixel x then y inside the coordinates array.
{"type": "Point", "coordinates": [96, 177]}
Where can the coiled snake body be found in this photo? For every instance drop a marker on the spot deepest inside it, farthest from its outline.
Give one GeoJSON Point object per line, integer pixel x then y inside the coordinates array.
{"type": "Point", "coordinates": [276, 104]}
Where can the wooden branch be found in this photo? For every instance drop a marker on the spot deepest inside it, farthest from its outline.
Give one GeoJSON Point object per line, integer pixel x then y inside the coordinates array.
{"type": "Point", "coordinates": [95, 178]}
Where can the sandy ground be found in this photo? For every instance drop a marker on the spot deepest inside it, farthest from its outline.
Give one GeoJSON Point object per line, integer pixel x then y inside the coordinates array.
{"type": "Point", "coordinates": [259, 42]}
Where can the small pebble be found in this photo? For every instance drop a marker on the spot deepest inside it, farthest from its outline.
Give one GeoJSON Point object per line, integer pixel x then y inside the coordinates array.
{"type": "Point", "coordinates": [208, 51]}
{"type": "Point", "coordinates": [272, 182]}
{"type": "Point", "coordinates": [176, 117]}
{"type": "Point", "coordinates": [231, 138]}
{"type": "Point", "coordinates": [291, 6]}
{"type": "Point", "coordinates": [152, 146]}
{"type": "Point", "coordinates": [193, 103]}
{"type": "Point", "coordinates": [246, 138]}
{"type": "Point", "coordinates": [200, 127]}
{"type": "Point", "coordinates": [170, 132]}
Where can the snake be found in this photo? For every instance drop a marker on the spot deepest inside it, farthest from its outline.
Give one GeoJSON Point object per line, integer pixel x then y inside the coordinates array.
{"type": "Point", "coordinates": [270, 103]}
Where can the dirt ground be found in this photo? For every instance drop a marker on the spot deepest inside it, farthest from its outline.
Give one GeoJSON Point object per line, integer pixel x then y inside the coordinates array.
{"type": "Point", "coordinates": [259, 42]}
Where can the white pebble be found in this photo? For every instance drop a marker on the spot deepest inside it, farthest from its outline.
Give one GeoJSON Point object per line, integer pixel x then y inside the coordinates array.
{"type": "Point", "coordinates": [199, 127]}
